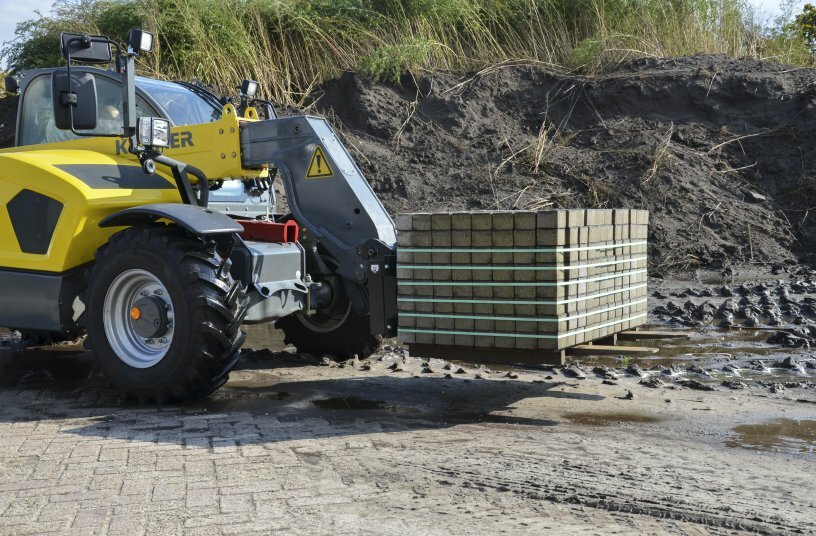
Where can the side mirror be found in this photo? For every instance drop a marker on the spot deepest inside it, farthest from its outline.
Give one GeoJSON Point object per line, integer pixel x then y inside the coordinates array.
{"type": "Point", "coordinates": [12, 84]}
{"type": "Point", "coordinates": [74, 100]}
{"type": "Point", "coordinates": [93, 49]}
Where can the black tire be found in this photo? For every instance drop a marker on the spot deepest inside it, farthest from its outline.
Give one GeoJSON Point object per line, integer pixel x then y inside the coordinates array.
{"type": "Point", "coordinates": [348, 338]}
{"type": "Point", "coordinates": [208, 308]}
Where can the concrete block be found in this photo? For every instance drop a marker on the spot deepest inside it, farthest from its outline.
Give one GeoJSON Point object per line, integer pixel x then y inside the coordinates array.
{"type": "Point", "coordinates": [524, 276]}
{"type": "Point", "coordinates": [442, 291]}
{"type": "Point", "coordinates": [464, 340]}
{"type": "Point", "coordinates": [424, 338]}
{"type": "Point", "coordinates": [404, 257]}
{"type": "Point", "coordinates": [444, 339]}
{"type": "Point", "coordinates": [481, 221]}
{"type": "Point", "coordinates": [550, 237]}
{"type": "Point", "coordinates": [482, 292]}
{"type": "Point", "coordinates": [502, 221]}
{"type": "Point", "coordinates": [594, 217]}
{"type": "Point", "coordinates": [524, 220]}
{"type": "Point", "coordinates": [461, 238]}
{"type": "Point", "coordinates": [576, 217]}
{"type": "Point", "coordinates": [403, 222]}
{"type": "Point", "coordinates": [466, 292]}
{"type": "Point", "coordinates": [523, 238]}
{"type": "Point", "coordinates": [441, 222]}
{"type": "Point", "coordinates": [526, 344]}
{"type": "Point", "coordinates": [441, 238]}
{"type": "Point", "coordinates": [460, 221]}
{"type": "Point", "coordinates": [421, 221]}
{"type": "Point", "coordinates": [406, 337]}
{"type": "Point", "coordinates": [551, 219]}
{"type": "Point", "coordinates": [482, 341]}
{"type": "Point", "coordinates": [461, 259]}
{"type": "Point", "coordinates": [405, 274]}
{"type": "Point", "coordinates": [440, 275]}
{"type": "Point", "coordinates": [482, 239]}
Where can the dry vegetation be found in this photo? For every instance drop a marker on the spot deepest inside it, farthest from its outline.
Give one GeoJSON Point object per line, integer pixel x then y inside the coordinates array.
{"type": "Point", "coordinates": [291, 45]}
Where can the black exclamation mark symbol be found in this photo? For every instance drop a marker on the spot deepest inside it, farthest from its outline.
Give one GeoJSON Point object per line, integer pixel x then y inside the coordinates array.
{"type": "Point", "coordinates": [319, 164]}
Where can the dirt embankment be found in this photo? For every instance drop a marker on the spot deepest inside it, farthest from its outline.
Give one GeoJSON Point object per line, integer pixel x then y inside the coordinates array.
{"type": "Point", "coordinates": [720, 150]}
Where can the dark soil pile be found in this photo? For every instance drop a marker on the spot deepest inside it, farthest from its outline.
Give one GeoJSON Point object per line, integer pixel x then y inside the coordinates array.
{"type": "Point", "coordinates": [721, 151]}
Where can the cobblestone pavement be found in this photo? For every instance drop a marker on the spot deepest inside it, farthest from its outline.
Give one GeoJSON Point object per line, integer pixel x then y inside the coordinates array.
{"type": "Point", "coordinates": [298, 448]}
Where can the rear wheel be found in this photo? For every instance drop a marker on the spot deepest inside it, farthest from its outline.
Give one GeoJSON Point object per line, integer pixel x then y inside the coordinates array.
{"type": "Point", "coordinates": [335, 330]}
{"type": "Point", "coordinates": [164, 315]}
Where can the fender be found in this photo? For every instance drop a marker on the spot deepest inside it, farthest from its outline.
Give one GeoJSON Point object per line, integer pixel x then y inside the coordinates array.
{"type": "Point", "coordinates": [196, 220]}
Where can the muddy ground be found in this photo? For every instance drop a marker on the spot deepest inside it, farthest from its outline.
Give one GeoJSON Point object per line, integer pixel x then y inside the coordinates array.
{"type": "Point", "coordinates": [715, 434]}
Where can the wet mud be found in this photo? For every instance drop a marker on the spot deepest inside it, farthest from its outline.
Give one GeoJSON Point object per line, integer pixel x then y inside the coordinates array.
{"type": "Point", "coordinates": [781, 435]}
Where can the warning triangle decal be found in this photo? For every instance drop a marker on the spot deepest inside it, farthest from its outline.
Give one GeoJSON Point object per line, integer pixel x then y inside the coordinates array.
{"type": "Point", "coordinates": [319, 167]}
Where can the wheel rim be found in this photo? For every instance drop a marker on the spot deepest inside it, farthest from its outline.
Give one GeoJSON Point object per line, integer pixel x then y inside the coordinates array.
{"type": "Point", "coordinates": [328, 321]}
{"type": "Point", "coordinates": [333, 316]}
{"type": "Point", "coordinates": [140, 342]}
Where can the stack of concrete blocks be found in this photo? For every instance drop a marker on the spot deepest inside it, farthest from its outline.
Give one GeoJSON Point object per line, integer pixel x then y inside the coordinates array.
{"type": "Point", "coordinates": [525, 280]}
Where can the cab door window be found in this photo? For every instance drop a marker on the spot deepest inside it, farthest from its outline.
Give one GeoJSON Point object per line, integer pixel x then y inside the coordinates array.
{"type": "Point", "coordinates": [38, 125]}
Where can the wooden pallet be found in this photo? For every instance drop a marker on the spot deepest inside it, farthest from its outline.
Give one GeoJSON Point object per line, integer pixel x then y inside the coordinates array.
{"type": "Point", "coordinates": [637, 335]}
{"type": "Point", "coordinates": [602, 349]}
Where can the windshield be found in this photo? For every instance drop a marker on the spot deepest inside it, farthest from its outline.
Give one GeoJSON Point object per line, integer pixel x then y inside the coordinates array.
{"type": "Point", "coordinates": [185, 105]}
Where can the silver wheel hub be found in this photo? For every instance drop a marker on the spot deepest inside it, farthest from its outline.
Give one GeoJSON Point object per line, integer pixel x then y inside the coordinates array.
{"type": "Point", "coordinates": [138, 318]}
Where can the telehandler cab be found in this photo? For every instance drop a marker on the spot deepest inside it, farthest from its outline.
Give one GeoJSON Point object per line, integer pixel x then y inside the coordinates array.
{"type": "Point", "coordinates": [105, 226]}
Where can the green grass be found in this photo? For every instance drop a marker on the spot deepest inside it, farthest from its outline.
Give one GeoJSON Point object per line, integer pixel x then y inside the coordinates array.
{"type": "Point", "coordinates": [291, 45]}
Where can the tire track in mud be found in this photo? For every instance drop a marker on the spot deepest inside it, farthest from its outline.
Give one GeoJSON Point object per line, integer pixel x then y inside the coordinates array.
{"type": "Point", "coordinates": [622, 490]}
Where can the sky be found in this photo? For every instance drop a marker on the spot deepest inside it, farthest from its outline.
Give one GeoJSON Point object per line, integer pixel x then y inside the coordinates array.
{"type": "Point", "coordinates": [14, 11]}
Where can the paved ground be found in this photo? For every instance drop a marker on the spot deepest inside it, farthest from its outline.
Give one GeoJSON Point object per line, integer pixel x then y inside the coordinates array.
{"type": "Point", "coordinates": [292, 446]}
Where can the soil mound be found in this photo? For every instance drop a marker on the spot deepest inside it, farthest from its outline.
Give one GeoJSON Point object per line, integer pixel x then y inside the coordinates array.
{"type": "Point", "coordinates": [720, 150]}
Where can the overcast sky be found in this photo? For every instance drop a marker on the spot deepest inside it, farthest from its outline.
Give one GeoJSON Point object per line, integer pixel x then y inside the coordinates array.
{"type": "Point", "coordinates": [14, 11]}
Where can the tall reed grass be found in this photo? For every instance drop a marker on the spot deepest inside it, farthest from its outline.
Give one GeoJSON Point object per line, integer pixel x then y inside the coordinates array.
{"type": "Point", "coordinates": [291, 45]}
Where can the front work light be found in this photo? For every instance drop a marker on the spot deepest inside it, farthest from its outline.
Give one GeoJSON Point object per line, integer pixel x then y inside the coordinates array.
{"type": "Point", "coordinates": [249, 88]}
{"type": "Point", "coordinates": [153, 132]}
{"type": "Point", "coordinates": [141, 40]}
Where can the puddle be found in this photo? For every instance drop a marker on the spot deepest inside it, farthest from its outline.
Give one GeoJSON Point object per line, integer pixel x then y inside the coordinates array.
{"type": "Point", "coordinates": [491, 418]}
{"type": "Point", "coordinates": [63, 370]}
{"type": "Point", "coordinates": [349, 403]}
{"type": "Point", "coordinates": [609, 419]}
{"type": "Point", "coordinates": [782, 435]}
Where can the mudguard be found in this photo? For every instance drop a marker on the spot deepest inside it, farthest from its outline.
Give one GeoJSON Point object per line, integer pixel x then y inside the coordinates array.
{"type": "Point", "coordinates": [196, 220]}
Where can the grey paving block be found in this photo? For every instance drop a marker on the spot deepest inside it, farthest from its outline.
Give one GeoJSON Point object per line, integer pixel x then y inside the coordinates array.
{"type": "Point", "coordinates": [557, 232]}
{"type": "Point", "coordinates": [481, 221]}
{"type": "Point", "coordinates": [460, 221]}
{"type": "Point", "coordinates": [403, 222]}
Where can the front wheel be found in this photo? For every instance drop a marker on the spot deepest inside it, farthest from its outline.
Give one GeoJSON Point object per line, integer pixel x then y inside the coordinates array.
{"type": "Point", "coordinates": [164, 315]}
